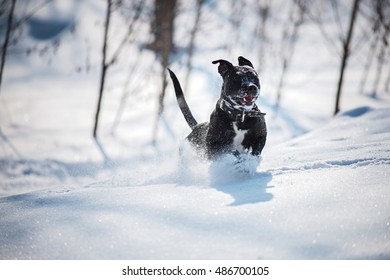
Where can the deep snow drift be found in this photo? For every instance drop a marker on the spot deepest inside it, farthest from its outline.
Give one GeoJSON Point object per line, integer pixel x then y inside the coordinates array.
{"type": "Point", "coordinates": [322, 195]}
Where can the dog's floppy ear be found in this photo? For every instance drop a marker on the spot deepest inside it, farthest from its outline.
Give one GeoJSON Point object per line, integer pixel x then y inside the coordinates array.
{"type": "Point", "coordinates": [224, 66]}
{"type": "Point", "coordinates": [242, 61]}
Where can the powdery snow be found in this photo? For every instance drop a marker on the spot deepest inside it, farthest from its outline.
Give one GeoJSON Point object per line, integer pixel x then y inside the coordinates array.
{"type": "Point", "coordinates": [323, 195]}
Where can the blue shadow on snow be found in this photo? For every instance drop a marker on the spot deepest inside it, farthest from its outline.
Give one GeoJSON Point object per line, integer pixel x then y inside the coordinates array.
{"type": "Point", "coordinates": [248, 189]}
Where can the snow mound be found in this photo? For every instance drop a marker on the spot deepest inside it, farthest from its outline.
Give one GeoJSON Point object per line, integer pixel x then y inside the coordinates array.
{"type": "Point", "coordinates": [355, 138]}
{"type": "Point", "coordinates": [357, 112]}
{"type": "Point", "coordinates": [41, 29]}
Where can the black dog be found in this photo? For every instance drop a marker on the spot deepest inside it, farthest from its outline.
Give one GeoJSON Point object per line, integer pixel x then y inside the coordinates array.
{"type": "Point", "coordinates": [236, 125]}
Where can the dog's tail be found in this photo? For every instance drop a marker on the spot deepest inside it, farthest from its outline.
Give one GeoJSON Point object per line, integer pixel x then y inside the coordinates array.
{"type": "Point", "coordinates": [182, 102]}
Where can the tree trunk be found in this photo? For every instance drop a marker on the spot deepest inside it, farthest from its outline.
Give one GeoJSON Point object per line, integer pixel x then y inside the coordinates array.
{"type": "Point", "coordinates": [6, 40]}
{"type": "Point", "coordinates": [104, 66]}
{"type": "Point", "coordinates": [163, 29]}
{"type": "Point", "coordinates": [346, 53]}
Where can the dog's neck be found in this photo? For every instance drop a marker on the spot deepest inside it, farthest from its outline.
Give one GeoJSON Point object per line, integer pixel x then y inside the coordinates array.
{"type": "Point", "coordinates": [238, 113]}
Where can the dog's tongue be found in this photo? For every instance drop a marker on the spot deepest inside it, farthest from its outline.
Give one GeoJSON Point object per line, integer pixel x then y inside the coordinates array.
{"type": "Point", "coordinates": [248, 98]}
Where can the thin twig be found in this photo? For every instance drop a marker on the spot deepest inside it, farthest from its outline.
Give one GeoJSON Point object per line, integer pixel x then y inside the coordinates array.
{"type": "Point", "coordinates": [6, 39]}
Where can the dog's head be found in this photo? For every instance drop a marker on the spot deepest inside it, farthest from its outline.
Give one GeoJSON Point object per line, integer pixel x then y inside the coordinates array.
{"type": "Point", "coordinates": [241, 83]}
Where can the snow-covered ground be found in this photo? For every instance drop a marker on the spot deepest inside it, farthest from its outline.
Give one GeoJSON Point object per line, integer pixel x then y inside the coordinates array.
{"type": "Point", "coordinates": [321, 190]}
{"type": "Point", "coordinates": [322, 195]}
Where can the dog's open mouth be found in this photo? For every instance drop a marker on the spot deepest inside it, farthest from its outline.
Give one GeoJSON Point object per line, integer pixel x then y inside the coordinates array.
{"type": "Point", "coordinates": [245, 100]}
{"type": "Point", "coordinates": [248, 99]}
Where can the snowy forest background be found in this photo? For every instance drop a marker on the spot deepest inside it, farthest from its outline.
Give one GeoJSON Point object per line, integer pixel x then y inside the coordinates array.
{"type": "Point", "coordinates": [148, 36]}
{"type": "Point", "coordinates": [86, 105]}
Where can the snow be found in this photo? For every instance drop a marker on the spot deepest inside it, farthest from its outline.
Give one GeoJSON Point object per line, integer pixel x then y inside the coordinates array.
{"type": "Point", "coordinates": [326, 197]}
{"type": "Point", "coordinates": [321, 190]}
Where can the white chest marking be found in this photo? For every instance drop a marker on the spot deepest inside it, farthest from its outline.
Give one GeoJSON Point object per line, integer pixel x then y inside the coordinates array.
{"type": "Point", "coordinates": [237, 141]}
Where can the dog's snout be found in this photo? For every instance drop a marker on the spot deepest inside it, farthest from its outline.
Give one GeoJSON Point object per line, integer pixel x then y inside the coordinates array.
{"type": "Point", "coordinates": [251, 89]}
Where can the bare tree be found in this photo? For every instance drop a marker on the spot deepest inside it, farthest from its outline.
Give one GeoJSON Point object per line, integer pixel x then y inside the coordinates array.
{"type": "Point", "coordinates": [379, 67]}
{"type": "Point", "coordinates": [367, 66]}
{"type": "Point", "coordinates": [382, 22]}
{"type": "Point", "coordinates": [162, 29]}
{"type": "Point", "coordinates": [289, 39]}
{"type": "Point", "coordinates": [14, 33]}
{"type": "Point", "coordinates": [345, 54]}
{"type": "Point", "coordinates": [263, 8]}
{"type": "Point", "coordinates": [132, 85]}
{"type": "Point", "coordinates": [6, 39]}
{"type": "Point", "coordinates": [106, 61]}
{"type": "Point", "coordinates": [334, 41]}
{"type": "Point", "coordinates": [104, 66]}
{"type": "Point", "coordinates": [371, 35]}
{"type": "Point", "coordinates": [191, 46]}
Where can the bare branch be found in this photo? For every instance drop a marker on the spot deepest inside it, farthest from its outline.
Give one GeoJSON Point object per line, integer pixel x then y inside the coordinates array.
{"type": "Point", "coordinates": [346, 53]}
{"type": "Point", "coordinates": [191, 46]}
{"type": "Point", "coordinates": [125, 39]}
{"type": "Point", "coordinates": [31, 14]}
{"type": "Point", "coordinates": [316, 18]}
{"type": "Point", "coordinates": [104, 66]}
{"type": "Point", "coordinates": [6, 39]}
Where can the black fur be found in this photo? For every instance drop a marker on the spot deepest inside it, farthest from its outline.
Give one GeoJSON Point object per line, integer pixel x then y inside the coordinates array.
{"type": "Point", "coordinates": [235, 112]}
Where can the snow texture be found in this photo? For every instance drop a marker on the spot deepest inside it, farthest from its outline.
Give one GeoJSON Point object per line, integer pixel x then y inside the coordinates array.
{"type": "Point", "coordinates": [326, 197]}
